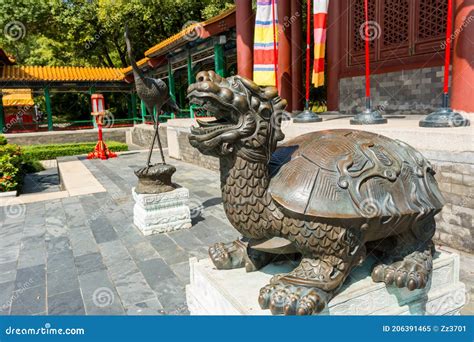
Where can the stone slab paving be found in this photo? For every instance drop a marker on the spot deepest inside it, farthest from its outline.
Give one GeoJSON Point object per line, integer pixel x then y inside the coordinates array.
{"type": "Point", "coordinates": [42, 181]}
{"type": "Point", "coordinates": [82, 255]}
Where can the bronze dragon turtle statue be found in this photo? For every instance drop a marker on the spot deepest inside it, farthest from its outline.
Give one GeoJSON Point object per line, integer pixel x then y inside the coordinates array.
{"type": "Point", "coordinates": [333, 196]}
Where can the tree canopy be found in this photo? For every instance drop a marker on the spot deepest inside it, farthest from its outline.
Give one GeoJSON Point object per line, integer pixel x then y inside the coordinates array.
{"type": "Point", "coordinates": [90, 32]}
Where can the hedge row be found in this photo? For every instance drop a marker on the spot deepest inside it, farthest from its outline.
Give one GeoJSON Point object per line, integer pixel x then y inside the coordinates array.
{"type": "Point", "coordinates": [52, 151]}
{"type": "Point", "coordinates": [16, 161]}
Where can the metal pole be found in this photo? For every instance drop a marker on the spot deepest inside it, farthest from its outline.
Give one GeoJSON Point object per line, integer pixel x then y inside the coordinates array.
{"type": "Point", "coordinates": [49, 111]}
{"type": "Point", "coordinates": [2, 117]}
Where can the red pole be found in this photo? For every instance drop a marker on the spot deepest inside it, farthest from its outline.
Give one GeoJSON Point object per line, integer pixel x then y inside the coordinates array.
{"type": "Point", "coordinates": [445, 116]}
{"type": "Point", "coordinates": [308, 45]}
{"type": "Point", "coordinates": [367, 51]}
{"type": "Point", "coordinates": [99, 125]}
{"type": "Point", "coordinates": [275, 51]}
{"type": "Point", "coordinates": [447, 59]}
{"type": "Point", "coordinates": [368, 116]}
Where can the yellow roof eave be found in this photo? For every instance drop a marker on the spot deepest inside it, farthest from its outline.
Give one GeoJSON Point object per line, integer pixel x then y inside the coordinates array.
{"type": "Point", "coordinates": [165, 43]}
{"type": "Point", "coordinates": [140, 63]}
{"type": "Point", "coordinates": [17, 97]}
{"type": "Point", "coordinates": [59, 74]}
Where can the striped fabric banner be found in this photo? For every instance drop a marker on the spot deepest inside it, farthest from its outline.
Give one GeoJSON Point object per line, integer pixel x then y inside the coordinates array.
{"type": "Point", "coordinates": [263, 55]}
{"type": "Point", "coordinates": [320, 11]}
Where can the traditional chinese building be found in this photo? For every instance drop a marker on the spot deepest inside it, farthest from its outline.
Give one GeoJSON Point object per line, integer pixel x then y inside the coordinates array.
{"type": "Point", "coordinates": [201, 46]}
{"type": "Point", "coordinates": [407, 53]}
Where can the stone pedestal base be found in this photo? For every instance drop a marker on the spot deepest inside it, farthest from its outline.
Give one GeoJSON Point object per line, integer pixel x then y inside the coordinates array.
{"type": "Point", "coordinates": [161, 213]}
{"type": "Point", "coordinates": [235, 292]}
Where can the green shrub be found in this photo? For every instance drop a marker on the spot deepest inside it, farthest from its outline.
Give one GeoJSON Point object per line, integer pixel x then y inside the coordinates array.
{"type": "Point", "coordinates": [3, 140]}
{"type": "Point", "coordinates": [13, 166]}
{"type": "Point", "coordinates": [46, 152]}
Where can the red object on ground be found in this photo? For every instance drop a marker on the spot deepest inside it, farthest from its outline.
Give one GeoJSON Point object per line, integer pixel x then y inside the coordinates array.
{"type": "Point", "coordinates": [367, 50]}
{"type": "Point", "coordinates": [308, 44]}
{"type": "Point", "coordinates": [275, 50]}
{"type": "Point", "coordinates": [101, 151]}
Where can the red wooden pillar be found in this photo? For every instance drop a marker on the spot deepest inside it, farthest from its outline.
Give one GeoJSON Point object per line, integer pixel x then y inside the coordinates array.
{"type": "Point", "coordinates": [245, 19]}
{"type": "Point", "coordinates": [297, 53]}
{"type": "Point", "coordinates": [462, 82]}
{"type": "Point", "coordinates": [284, 52]}
{"type": "Point", "coordinates": [334, 41]}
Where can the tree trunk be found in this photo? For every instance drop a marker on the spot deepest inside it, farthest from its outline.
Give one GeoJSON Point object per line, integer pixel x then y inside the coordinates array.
{"type": "Point", "coordinates": [121, 53]}
{"type": "Point", "coordinates": [107, 56]}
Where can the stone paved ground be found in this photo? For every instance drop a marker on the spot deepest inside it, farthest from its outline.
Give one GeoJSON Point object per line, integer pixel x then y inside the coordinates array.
{"type": "Point", "coordinates": [43, 181]}
{"type": "Point", "coordinates": [82, 255]}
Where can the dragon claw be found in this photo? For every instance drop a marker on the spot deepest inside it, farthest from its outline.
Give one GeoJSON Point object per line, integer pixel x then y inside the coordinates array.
{"type": "Point", "coordinates": [409, 273]}
{"type": "Point", "coordinates": [289, 299]}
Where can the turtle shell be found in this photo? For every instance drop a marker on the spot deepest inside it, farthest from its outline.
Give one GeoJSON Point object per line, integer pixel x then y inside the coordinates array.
{"type": "Point", "coordinates": [352, 174]}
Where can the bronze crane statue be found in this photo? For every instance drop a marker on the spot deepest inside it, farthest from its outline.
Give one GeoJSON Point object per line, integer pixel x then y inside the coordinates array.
{"type": "Point", "coordinates": [155, 94]}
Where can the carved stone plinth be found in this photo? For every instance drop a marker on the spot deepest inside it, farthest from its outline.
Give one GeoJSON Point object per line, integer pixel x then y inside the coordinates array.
{"type": "Point", "coordinates": [161, 213]}
{"type": "Point", "coordinates": [235, 292]}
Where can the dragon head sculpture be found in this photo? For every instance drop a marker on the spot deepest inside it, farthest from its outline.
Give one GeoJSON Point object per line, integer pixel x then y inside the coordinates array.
{"type": "Point", "coordinates": [247, 117]}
